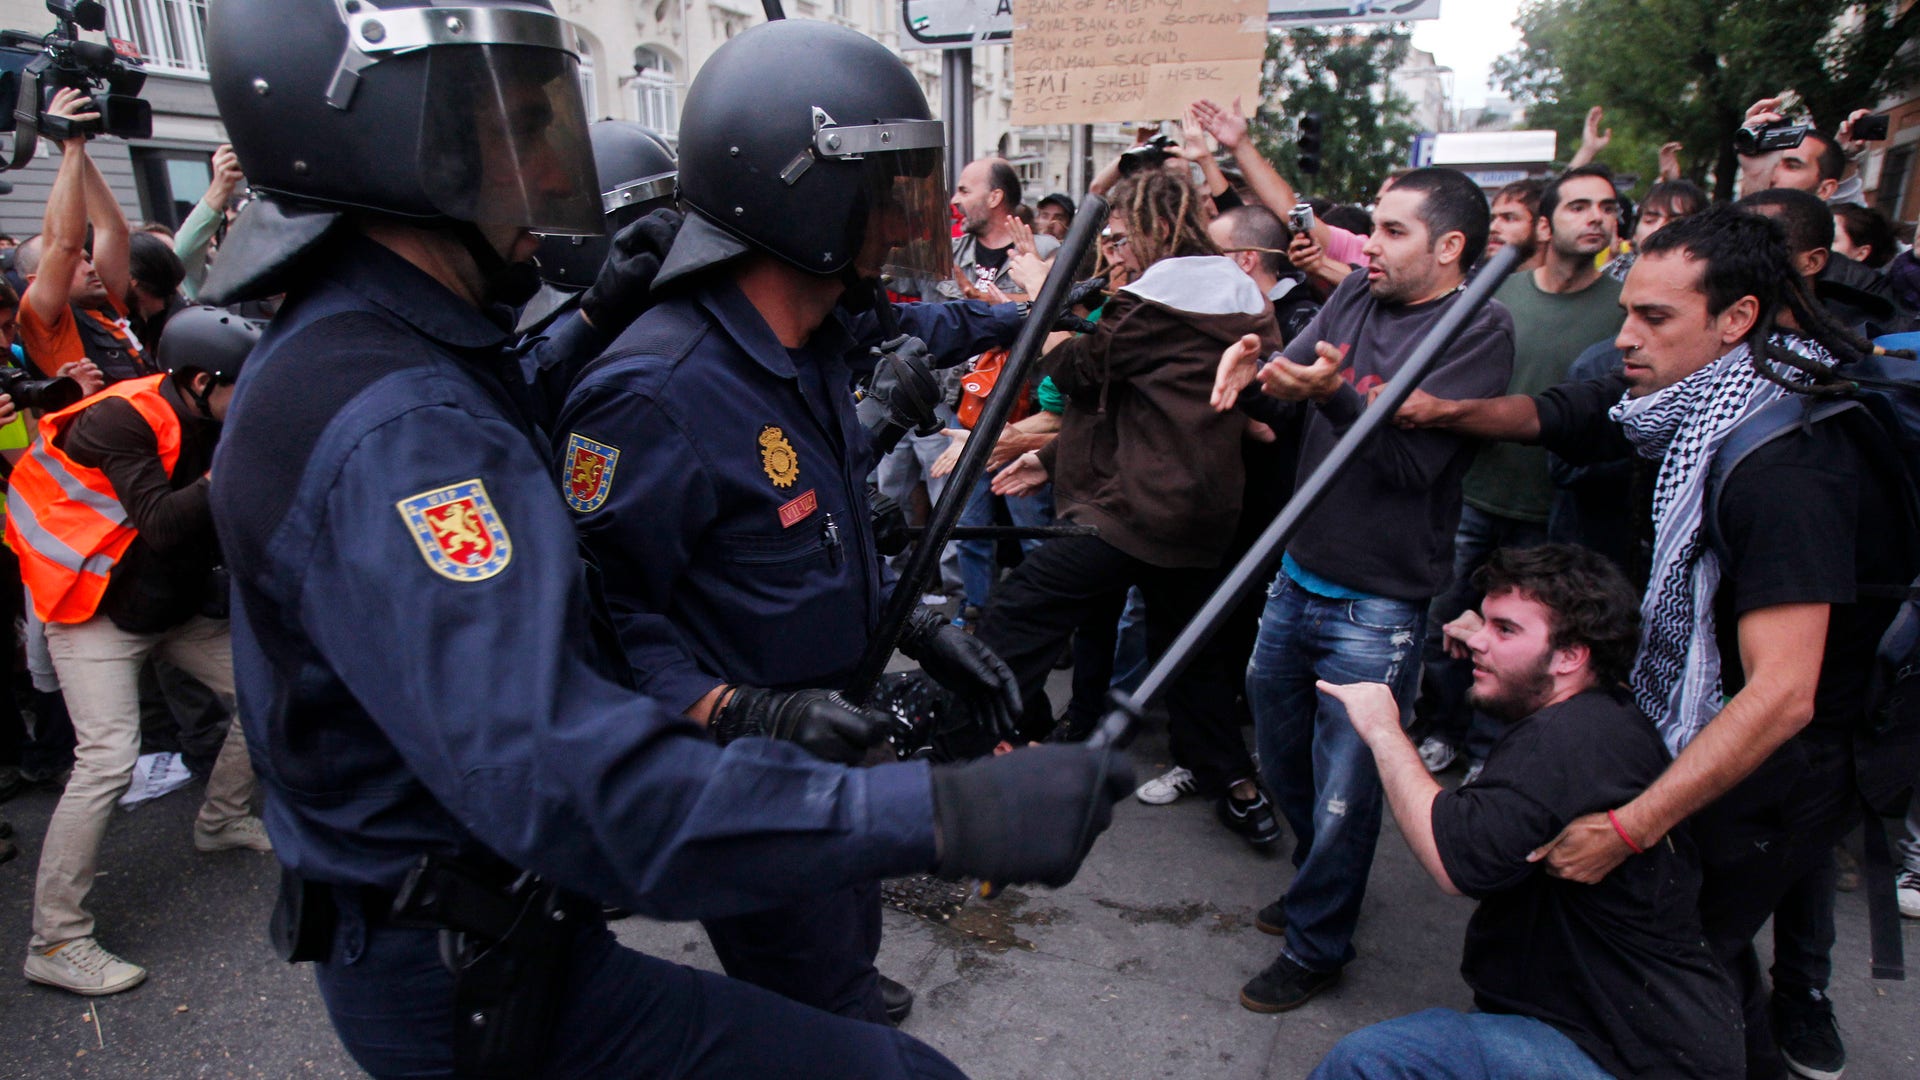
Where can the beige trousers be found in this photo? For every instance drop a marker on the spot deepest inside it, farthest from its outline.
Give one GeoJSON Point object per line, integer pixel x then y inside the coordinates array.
{"type": "Point", "coordinates": [99, 667]}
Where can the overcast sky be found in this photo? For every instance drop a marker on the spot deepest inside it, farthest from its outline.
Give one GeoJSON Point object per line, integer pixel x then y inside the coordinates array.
{"type": "Point", "coordinates": [1467, 37]}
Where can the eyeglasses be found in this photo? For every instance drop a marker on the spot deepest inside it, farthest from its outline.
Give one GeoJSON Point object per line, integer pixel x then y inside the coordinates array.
{"type": "Point", "coordinates": [1112, 242]}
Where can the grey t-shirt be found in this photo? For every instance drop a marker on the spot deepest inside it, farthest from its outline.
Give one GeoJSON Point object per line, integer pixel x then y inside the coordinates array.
{"type": "Point", "coordinates": [1386, 527]}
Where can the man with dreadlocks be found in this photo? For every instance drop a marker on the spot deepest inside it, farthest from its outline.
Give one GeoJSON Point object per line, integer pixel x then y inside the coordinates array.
{"type": "Point", "coordinates": [1758, 641]}
{"type": "Point", "coordinates": [1143, 457]}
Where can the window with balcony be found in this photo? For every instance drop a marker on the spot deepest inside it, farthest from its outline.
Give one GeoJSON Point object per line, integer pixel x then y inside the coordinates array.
{"type": "Point", "coordinates": [589, 92]}
{"type": "Point", "coordinates": [656, 94]}
{"type": "Point", "coordinates": [170, 34]}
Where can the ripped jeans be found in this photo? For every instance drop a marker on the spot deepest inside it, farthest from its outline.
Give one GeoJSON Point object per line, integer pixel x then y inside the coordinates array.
{"type": "Point", "coordinates": [1319, 771]}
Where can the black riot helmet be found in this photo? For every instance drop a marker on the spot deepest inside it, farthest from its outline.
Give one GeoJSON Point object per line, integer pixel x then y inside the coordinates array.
{"type": "Point", "coordinates": [637, 176]}
{"type": "Point", "coordinates": [434, 113]}
{"type": "Point", "coordinates": [812, 143]}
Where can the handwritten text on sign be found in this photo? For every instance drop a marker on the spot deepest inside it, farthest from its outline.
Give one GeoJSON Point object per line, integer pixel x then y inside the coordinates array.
{"type": "Point", "coordinates": [1089, 61]}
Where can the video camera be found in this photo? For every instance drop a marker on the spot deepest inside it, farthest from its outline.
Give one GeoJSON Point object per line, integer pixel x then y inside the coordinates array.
{"type": "Point", "coordinates": [1766, 138]}
{"type": "Point", "coordinates": [33, 67]}
{"type": "Point", "coordinates": [1148, 155]}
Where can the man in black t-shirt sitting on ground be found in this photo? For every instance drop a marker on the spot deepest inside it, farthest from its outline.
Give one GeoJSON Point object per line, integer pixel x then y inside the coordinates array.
{"type": "Point", "coordinates": [1573, 981]}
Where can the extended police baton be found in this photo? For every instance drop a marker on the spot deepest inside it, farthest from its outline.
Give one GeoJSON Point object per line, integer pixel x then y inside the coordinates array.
{"type": "Point", "coordinates": [1258, 562]}
{"type": "Point", "coordinates": [1010, 532]}
{"type": "Point", "coordinates": [924, 561]}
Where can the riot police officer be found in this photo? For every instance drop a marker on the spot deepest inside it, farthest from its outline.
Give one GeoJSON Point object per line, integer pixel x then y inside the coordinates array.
{"type": "Point", "coordinates": [718, 465]}
{"type": "Point", "coordinates": [592, 286]}
{"type": "Point", "coordinates": [456, 772]}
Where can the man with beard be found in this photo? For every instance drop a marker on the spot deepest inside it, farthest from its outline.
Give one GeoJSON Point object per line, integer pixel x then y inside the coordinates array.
{"type": "Point", "coordinates": [1569, 980]}
{"type": "Point", "coordinates": [1559, 308]}
{"type": "Point", "coordinates": [984, 198]}
{"type": "Point", "coordinates": [1514, 209]}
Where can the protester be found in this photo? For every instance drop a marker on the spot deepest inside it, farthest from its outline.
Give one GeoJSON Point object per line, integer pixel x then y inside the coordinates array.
{"type": "Point", "coordinates": [986, 194]}
{"type": "Point", "coordinates": [1666, 202]}
{"type": "Point", "coordinates": [1256, 239]}
{"type": "Point", "coordinates": [1143, 457]}
{"type": "Point", "coordinates": [1759, 641]}
{"type": "Point", "coordinates": [1558, 308]}
{"type": "Point", "coordinates": [1572, 981]}
{"type": "Point", "coordinates": [1854, 295]}
{"type": "Point", "coordinates": [1053, 215]}
{"type": "Point", "coordinates": [1864, 235]}
{"type": "Point", "coordinates": [1516, 208]}
{"type": "Point", "coordinates": [1351, 597]}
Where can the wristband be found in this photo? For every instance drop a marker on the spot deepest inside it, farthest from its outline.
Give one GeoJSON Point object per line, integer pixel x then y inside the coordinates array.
{"type": "Point", "coordinates": [1628, 840]}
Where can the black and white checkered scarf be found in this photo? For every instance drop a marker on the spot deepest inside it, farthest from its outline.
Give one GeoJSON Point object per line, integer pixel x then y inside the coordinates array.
{"type": "Point", "coordinates": [1676, 673]}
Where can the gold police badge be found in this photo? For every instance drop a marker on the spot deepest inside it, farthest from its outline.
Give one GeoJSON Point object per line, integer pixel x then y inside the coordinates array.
{"type": "Point", "coordinates": [778, 458]}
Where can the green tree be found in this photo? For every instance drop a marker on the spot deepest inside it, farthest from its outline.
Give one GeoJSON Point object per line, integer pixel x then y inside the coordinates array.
{"type": "Point", "coordinates": [1342, 73]}
{"type": "Point", "coordinates": [1687, 69]}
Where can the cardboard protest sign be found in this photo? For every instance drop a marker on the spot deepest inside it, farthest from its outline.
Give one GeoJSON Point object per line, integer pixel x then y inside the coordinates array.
{"type": "Point", "coordinates": [1092, 61]}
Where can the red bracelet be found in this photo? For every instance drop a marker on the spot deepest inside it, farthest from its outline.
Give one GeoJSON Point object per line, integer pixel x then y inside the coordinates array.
{"type": "Point", "coordinates": [1628, 840]}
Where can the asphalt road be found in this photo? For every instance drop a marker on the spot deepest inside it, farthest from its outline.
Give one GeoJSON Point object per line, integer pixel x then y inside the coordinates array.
{"type": "Point", "coordinates": [1132, 971]}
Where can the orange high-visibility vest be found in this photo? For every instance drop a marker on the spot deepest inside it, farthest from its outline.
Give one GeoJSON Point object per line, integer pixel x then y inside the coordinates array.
{"type": "Point", "coordinates": [65, 521]}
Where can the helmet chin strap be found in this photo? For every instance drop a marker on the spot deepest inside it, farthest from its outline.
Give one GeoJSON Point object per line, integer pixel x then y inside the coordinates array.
{"type": "Point", "coordinates": [509, 283]}
{"type": "Point", "coordinates": [202, 399]}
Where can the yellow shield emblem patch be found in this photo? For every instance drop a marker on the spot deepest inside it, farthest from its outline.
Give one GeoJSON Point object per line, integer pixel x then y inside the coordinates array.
{"type": "Point", "coordinates": [777, 457]}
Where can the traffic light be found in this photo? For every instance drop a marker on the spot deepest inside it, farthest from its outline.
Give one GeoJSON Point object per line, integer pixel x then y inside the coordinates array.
{"type": "Point", "coordinates": [1308, 144]}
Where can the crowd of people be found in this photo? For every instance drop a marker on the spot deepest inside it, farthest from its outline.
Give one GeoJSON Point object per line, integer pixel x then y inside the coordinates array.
{"type": "Point", "coordinates": [549, 595]}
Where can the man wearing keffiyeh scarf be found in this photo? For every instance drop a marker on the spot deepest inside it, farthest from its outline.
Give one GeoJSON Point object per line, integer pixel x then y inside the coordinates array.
{"type": "Point", "coordinates": [1676, 675]}
{"type": "Point", "coordinates": [1763, 778]}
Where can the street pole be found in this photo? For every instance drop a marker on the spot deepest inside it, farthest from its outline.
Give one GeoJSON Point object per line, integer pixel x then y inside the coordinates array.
{"type": "Point", "coordinates": [956, 104]}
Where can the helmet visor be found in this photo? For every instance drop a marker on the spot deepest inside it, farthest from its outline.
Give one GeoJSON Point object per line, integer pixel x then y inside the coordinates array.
{"type": "Point", "coordinates": [503, 139]}
{"type": "Point", "coordinates": [907, 236]}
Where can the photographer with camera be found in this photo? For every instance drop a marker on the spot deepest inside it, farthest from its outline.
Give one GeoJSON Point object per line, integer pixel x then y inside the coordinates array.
{"type": "Point", "coordinates": [199, 233]}
{"type": "Point", "coordinates": [1778, 153]}
{"type": "Point", "coordinates": [110, 516]}
{"type": "Point", "coordinates": [74, 308]}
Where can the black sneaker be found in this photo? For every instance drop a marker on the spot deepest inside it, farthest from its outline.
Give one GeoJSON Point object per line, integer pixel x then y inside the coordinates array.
{"type": "Point", "coordinates": [1252, 818]}
{"type": "Point", "coordinates": [1272, 919]}
{"type": "Point", "coordinates": [897, 999]}
{"type": "Point", "coordinates": [1809, 1039]}
{"type": "Point", "coordinates": [1284, 985]}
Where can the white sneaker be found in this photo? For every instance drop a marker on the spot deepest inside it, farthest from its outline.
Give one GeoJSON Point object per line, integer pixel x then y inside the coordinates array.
{"type": "Point", "coordinates": [1437, 753]}
{"type": "Point", "coordinates": [247, 832]}
{"type": "Point", "coordinates": [83, 967]}
{"type": "Point", "coordinates": [1167, 787]}
{"type": "Point", "coordinates": [1909, 885]}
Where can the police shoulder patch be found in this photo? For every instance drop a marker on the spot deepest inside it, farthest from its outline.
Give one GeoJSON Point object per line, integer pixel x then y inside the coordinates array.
{"type": "Point", "coordinates": [459, 532]}
{"type": "Point", "coordinates": [589, 472]}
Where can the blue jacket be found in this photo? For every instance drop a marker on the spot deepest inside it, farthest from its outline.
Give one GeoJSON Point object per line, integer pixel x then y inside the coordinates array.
{"type": "Point", "coordinates": [414, 645]}
{"type": "Point", "coordinates": [718, 480]}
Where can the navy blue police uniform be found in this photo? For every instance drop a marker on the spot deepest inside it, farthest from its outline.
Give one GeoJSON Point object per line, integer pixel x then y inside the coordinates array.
{"type": "Point", "coordinates": [719, 483]}
{"type": "Point", "coordinates": [419, 672]}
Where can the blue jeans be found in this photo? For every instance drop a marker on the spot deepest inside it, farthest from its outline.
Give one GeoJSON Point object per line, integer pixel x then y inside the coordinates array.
{"type": "Point", "coordinates": [1313, 762]}
{"type": "Point", "coordinates": [1441, 1044]}
{"type": "Point", "coordinates": [978, 567]}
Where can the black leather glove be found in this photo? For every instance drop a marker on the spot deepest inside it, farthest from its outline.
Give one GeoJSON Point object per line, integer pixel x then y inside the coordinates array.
{"type": "Point", "coordinates": [1026, 816]}
{"type": "Point", "coordinates": [821, 722]}
{"type": "Point", "coordinates": [963, 664]}
{"type": "Point", "coordinates": [890, 530]}
{"type": "Point", "coordinates": [623, 289]}
{"type": "Point", "coordinates": [902, 394]}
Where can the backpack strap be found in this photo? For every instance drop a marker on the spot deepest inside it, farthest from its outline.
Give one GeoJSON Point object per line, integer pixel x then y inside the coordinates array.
{"type": "Point", "coordinates": [1788, 413]}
